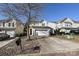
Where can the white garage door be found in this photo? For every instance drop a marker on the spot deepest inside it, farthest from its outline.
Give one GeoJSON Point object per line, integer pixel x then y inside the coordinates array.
{"type": "Point", "coordinates": [42, 33]}
{"type": "Point", "coordinates": [11, 33]}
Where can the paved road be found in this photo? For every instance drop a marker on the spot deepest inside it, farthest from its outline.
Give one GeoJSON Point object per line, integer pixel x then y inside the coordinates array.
{"type": "Point", "coordinates": [56, 45]}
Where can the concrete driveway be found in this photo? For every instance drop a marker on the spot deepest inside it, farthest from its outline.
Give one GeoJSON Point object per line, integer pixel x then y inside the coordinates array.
{"type": "Point", "coordinates": [57, 45]}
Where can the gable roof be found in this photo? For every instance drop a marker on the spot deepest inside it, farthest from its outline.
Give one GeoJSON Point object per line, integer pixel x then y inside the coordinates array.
{"type": "Point", "coordinates": [66, 19]}
{"type": "Point", "coordinates": [63, 20]}
{"type": "Point", "coordinates": [8, 19]}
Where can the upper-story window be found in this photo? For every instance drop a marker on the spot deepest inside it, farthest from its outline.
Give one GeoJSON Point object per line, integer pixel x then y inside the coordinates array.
{"type": "Point", "coordinates": [9, 24]}
{"type": "Point", "coordinates": [13, 24]}
{"type": "Point", "coordinates": [3, 24]}
{"type": "Point", "coordinates": [67, 24]}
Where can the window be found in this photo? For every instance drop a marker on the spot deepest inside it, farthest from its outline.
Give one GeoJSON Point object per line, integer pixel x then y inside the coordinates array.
{"type": "Point", "coordinates": [67, 24]}
{"type": "Point", "coordinates": [3, 24]}
{"type": "Point", "coordinates": [30, 31]}
{"type": "Point", "coordinates": [9, 24]}
{"type": "Point", "coordinates": [13, 24]}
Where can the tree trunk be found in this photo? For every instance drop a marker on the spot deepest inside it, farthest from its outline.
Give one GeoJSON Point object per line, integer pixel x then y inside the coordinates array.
{"type": "Point", "coordinates": [29, 17]}
{"type": "Point", "coordinates": [28, 32]}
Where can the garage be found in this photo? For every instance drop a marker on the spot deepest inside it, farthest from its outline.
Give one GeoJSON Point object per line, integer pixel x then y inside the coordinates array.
{"type": "Point", "coordinates": [39, 31]}
{"type": "Point", "coordinates": [42, 32]}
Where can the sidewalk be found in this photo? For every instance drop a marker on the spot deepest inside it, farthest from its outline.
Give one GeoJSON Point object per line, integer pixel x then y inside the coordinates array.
{"type": "Point", "coordinates": [3, 43]}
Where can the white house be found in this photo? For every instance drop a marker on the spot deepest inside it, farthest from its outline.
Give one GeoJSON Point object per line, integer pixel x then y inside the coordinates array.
{"type": "Point", "coordinates": [39, 28]}
{"type": "Point", "coordinates": [66, 24]}
{"type": "Point", "coordinates": [11, 26]}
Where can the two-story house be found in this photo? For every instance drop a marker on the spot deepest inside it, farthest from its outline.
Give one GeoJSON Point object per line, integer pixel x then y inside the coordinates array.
{"type": "Point", "coordinates": [39, 28]}
{"type": "Point", "coordinates": [67, 24]}
{"type": "Point", "coordinates": [11, 27]}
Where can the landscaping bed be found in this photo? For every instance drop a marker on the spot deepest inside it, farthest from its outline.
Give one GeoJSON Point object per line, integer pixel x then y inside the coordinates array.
{"type": "Point", "coordinates": [68, 37]}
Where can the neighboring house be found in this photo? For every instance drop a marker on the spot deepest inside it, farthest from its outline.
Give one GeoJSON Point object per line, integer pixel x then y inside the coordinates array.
{"type": "Point", "coordinates": [66, 24]}
{"type": "Point", "coordinates": [11, 27]}
{"type": "Point", "coordinates": [39, 28]}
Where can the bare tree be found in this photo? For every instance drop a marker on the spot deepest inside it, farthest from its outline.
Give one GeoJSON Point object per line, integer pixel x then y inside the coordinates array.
{"type": "Point", "coordinates": [8, 10]}
{"type": "Point", "coordinates": [30, 11]}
